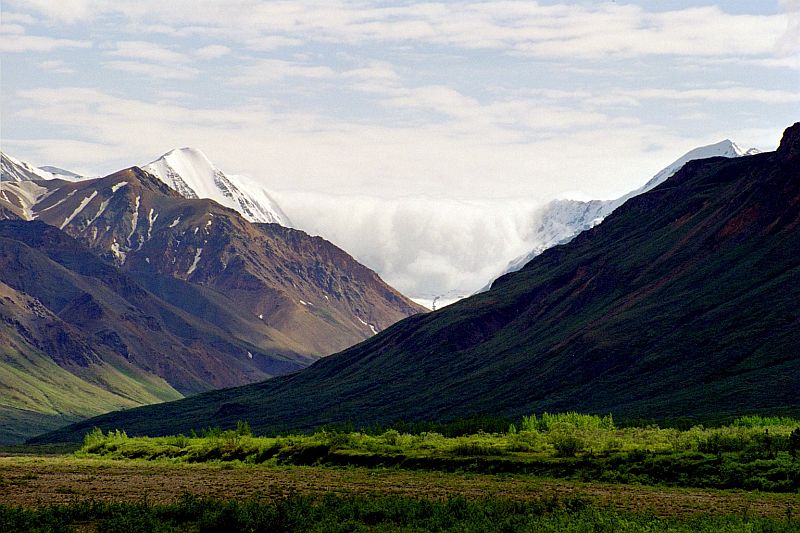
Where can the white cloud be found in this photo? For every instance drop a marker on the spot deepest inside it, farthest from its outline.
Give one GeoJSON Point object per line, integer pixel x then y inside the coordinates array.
{"type": "Point", "coordinates": [265, 43]}
{"type": "Point", "coordinates": [155, 71]}
{"type": "Point", "coordinates": [721, 94]}
{"type": "Point", "coordinates": [271, 70]}
{"type": "Point", "coordinates": [422, 246]}
{"type": "Point", "coordinates": [66, 11]}
{"type": "Point", "coordinates": [545, 31]}
{"type": "Point", "coordinates": [147, 51]}
{"type": "Point", "coordinates": [213, 51]}
{"type": "Point", "coordinates": [56, 66]}
{"type": "Point", "coordinates": [14, 39]}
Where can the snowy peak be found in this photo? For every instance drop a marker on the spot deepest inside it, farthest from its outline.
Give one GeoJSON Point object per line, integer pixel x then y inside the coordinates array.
{"type": "Point", "coordinates": [726, 148]}
{"type": "Point", "coordinates": [560, 221]}
{"type": "Point", "coordinates": [193, 175]}
{"type": "Point", "coordinates": [12, 169]}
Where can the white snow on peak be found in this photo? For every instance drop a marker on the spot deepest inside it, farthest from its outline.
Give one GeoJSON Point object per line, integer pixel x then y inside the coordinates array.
{"type": "Point", "coordinates": [118, 186]}
{"type": "Point", "coordinates": [560, 221]}
{"type": "Point", "coordinates": [193, 175]}
{"type": "Point", "coordinates": [726, 148]}
{"type": "Point", "coordinates": [13, 169]}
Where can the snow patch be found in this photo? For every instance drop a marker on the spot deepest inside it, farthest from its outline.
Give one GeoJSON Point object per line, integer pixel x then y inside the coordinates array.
{"type": "Point", "coordinates": [371, 327]}
{"type": "Point", "coordinates": [103, 207]}
{"type": "Point", "coordinates": [119, 254]}
{"type": "Point", "coordinates": [135, 220]}
{"type": "Point", "coordinates": [78, 209]}
{"type": "Point", "coordinates": [197, 254]}
{"type": "Point", "coordinates": [175, 222]}
{"type": "Point", "coordinates": [118, 186]}
{"type": "Point", "coordinates": [150, 221]}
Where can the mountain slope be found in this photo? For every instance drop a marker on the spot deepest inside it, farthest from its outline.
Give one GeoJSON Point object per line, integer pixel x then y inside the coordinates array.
{"type": "Point", "coordinates": [52, 370]}
{"type": "Point", "coordinates": [274, 287]}
{"type": "Point", "coordinates": [561, 220]}
{"type": "Point", "coordinates": [188, 171]}
{"type": "Point", "coordinates": [683, 302]}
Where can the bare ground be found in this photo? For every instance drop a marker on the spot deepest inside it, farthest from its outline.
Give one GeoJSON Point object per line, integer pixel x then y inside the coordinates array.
{"type": "Point", "coordinates": [36, 481]}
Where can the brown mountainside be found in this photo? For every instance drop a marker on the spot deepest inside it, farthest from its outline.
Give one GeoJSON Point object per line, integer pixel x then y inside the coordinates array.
{"type": "Point", "coordinates": [277, 286]}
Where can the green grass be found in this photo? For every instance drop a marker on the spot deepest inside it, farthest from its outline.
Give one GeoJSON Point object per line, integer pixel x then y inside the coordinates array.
{"type": "Point", "coordinates": [752, 453]}
{"type": "Point", "coordinates": [38, 395]}
{"type": "Point", "coordinates": [333, 513]}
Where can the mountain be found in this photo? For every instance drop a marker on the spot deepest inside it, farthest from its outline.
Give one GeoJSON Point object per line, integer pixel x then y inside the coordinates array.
{"type": "Point", "coordinates": [189, 171]}
{"type": "Point", "coordinates": [561, 220]}
{"type": "Point", "coordinates": [276, 287]}
{"type": "Point", "coordinates": [684, 302]}
{"type": "Point", "coordinates": [12, 169]}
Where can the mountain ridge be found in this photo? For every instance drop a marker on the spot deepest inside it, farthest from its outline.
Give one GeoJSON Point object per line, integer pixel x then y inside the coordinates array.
{"type": "Point", "coordinates": [561, 220]}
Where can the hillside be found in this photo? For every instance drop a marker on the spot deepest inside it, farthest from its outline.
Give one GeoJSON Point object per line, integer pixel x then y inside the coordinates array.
{"type": "Point", "coordinates": [684, 302]}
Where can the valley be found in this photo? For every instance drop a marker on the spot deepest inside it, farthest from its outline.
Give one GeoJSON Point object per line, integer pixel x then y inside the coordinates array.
{"type": "Point", "coordinates": [483, 266]}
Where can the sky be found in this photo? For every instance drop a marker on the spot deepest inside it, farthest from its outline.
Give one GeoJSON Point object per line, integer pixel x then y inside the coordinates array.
{"type": "Point", "coordinates": [421, 137]}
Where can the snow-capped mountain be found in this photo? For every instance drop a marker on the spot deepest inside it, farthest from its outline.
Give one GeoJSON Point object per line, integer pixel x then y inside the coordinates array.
{"type": "Point", "coordinates": [189, 171]}
{"type": "Point", "coordinates": [13, 169]}
{"type": "Point", "coordinates": [561, 220]}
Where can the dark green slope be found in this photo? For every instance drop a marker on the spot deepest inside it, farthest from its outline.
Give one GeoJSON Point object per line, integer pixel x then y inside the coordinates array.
{"type": "Point", "coordinates": [684, 302]}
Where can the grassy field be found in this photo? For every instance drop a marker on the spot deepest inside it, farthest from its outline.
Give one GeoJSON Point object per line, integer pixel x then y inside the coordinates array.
{"type": "Point", "coordinates": [566, 472]}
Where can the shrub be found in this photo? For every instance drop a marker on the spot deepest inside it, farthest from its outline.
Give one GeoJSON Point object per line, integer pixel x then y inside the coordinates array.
{"type": "Point", "coordinates": [566, 444]}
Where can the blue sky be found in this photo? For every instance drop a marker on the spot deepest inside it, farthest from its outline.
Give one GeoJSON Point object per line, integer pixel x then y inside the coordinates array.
{"type": "Point", "coordinates": [448, 101]}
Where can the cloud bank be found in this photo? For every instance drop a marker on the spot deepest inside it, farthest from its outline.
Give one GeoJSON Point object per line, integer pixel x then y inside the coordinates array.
{"type": "Point", "coordinates": [422, 246]}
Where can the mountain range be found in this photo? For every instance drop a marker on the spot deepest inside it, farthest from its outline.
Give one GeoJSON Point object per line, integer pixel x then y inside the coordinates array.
{"type": "Point", "coordinates": [682, 303]}
{"type": "Point", "coordinates": [124, 274]}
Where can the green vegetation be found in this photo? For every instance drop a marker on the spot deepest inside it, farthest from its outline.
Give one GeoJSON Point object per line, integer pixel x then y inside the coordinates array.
{"type": "Point", "coordinates": [39, 396]}
{"type": "Point", "coordinates": [752, 453]}
{"type": "Point", "coordinates": [368, 513]}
